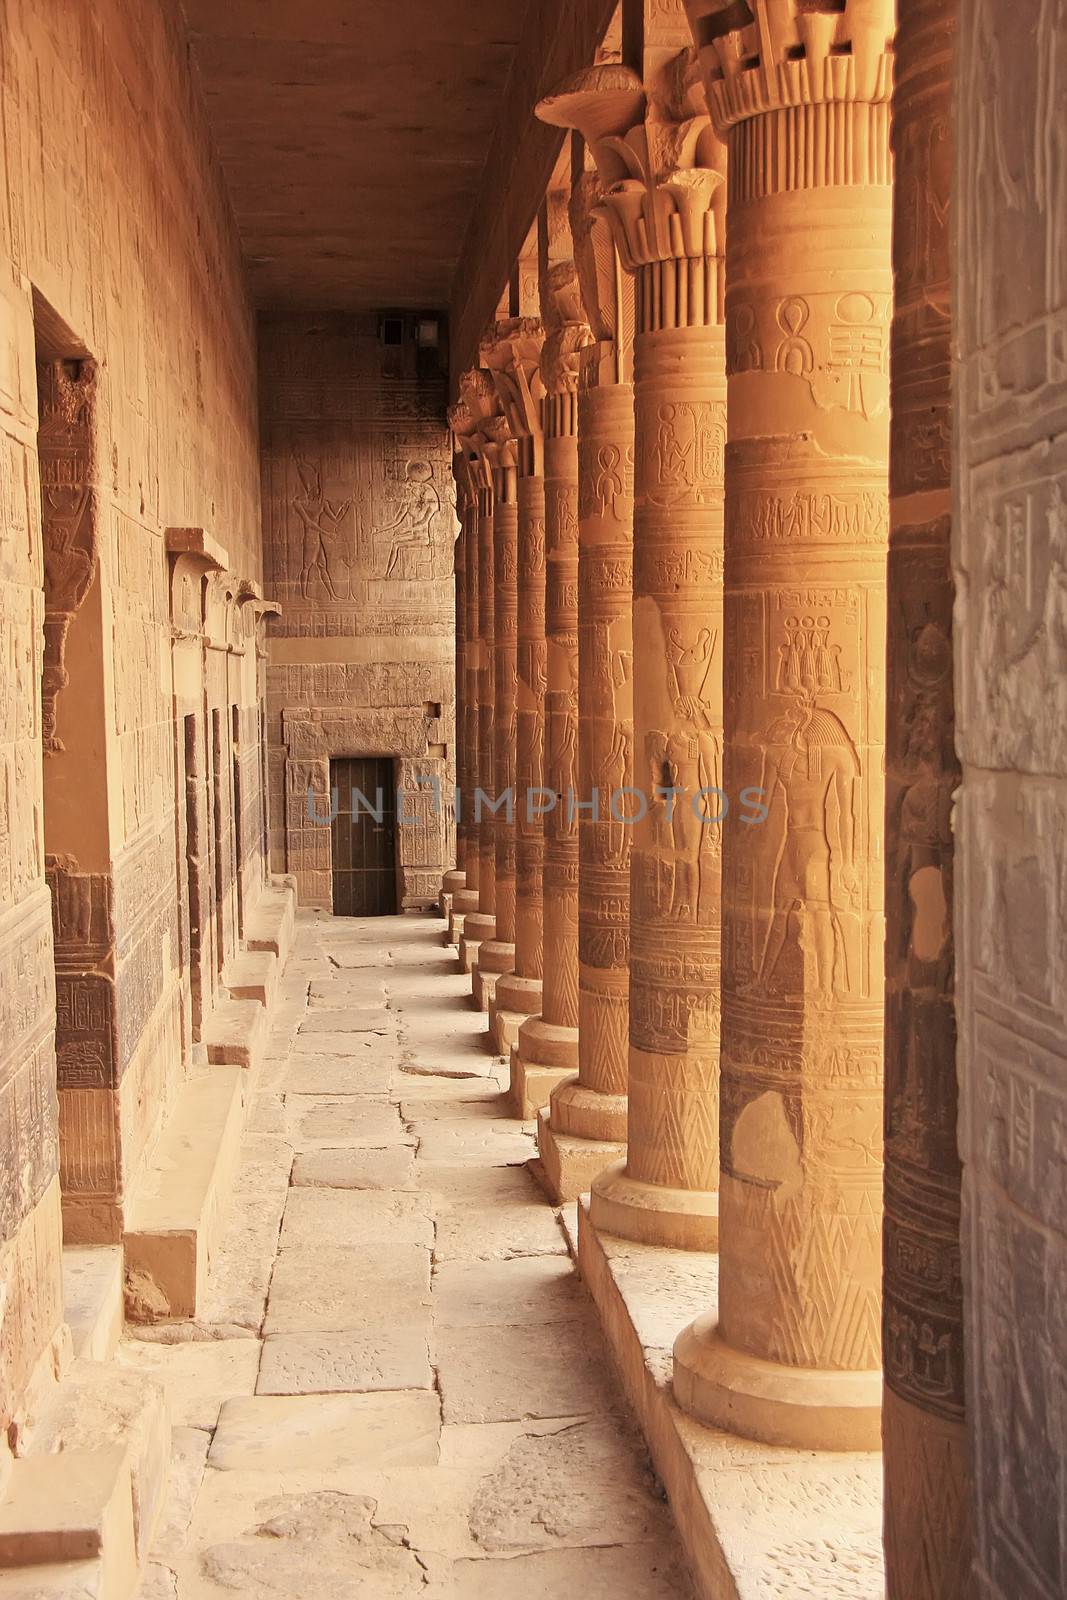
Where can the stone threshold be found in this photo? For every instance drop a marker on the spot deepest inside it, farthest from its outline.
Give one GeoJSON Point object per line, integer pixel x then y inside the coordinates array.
{"type": "Point", "coordinates": [755, 1520]}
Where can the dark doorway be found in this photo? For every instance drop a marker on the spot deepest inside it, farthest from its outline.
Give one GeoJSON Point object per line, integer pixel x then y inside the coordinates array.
{"type": "Point", "coordinates": [363, 836]}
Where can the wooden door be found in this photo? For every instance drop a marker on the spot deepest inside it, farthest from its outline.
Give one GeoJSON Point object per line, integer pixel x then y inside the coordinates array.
{"type": "Point", "coordinates": [363, 836]}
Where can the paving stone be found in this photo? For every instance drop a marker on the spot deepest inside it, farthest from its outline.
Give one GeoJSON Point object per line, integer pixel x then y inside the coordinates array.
{"type": "Point", "coordinates": [526, 1291]}
{"type": "Point", "coordinates": [493, 1374]}
{"type": "Point", "coordinates": [325, 1121]}
{"type": "Point", "coordinates": [354, 1218]}
{"type": "Point", "coordinates": [306, 1363]}
{"type": "Point", "coordinates": [466, 1102]}
{"type": "Point", "coordinates": [482, 1143]}
{"type": "Point", "coordinates": [352, 1020]}
{"type": "Point", "coordinates": [375, 1077]}
{"type": "Point", "coordinates": [620, 1573]}
{"type": "Point", "coordinates": [323, 1544]}
{"type": "Point", "coordinates": [370, 1045]}
{"type": "Point", "coordinates": [588, 1483]}
{"type": "Point", "coordinates": [196, 1376]}
{"type": "Point", "coordinates": [356, 1169]}
{"type": "Point", "coordinates": [362, 1290]}
{"type": "Point", "coordinates": [268, 1432]}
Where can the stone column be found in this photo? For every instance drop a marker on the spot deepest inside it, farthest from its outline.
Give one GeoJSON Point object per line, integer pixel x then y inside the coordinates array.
{"type": "Point", "coordinates": [927, 1515]}
{"type": "Point", "coordinates": [455, 880]}
{"type": "Point", "coordinates": [664, 194]}
{"type": "Point", "coordinates": [547, 1047]}
{"type": "Point", "coordinates": [514, 361]}
{"type": "Point", "coordinates": [793, 1356]}
{"type": "Point", "coordinates": [465, 900]}
{"type": "Point", "coordinates": [477, 390]}
{"type": "Point", "coordinates": [584, 1127]}
{"type": "Point", "coordinates": [497, 955]}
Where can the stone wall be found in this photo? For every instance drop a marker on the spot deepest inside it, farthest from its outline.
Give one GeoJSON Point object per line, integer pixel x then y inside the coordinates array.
{"type": "Point", "coordinates": [1010, 558]}
{"type": "Point", "coordinates": [127, 349]}
{"type": "Point", "coordinates": [359, 533]}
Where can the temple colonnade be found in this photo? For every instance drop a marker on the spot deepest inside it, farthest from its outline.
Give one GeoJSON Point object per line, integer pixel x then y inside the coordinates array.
{"type": "Point", "coordinates": [734, 735]}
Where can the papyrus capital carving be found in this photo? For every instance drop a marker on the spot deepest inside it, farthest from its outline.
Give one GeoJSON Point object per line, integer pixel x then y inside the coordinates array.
{"type": "Point", "coordinates": [762, 55]}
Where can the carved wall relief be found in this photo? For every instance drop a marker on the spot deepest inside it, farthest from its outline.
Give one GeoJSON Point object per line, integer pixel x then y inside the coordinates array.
{"type": "Point", "coordinates": [926, 1467]}
{"type": "Point", "coordinates": [359, 529]}
{"type": "Point", "coordinates": [1009, 559]}
{"type": "Point", "coordinates": [65, 444]}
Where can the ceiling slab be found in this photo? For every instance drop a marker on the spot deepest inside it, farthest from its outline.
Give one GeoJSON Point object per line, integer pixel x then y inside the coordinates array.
{"type": "Point", "coordinates": [353, 135]}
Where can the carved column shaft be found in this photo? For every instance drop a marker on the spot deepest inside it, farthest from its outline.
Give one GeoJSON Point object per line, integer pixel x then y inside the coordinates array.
{"type": "Point", "coordinates": [665, 1193]}
{"type": "Point", "coordinates": [927, 1525]}
{"type": "Point", "coordinates": [458, 880]}
{"type": "Point", "coordinates": [518, 994]}
{"type": "Point", "coordinates": [505, 556]}
{"type": "Point", "coordinates": [486, 702]}
{"type": "Point", "coordinates": [795, 1356]}
{"type": "Point", "coordinates": [470, 678]}
{"type": "Point", "coordinates": [547, 1045]}
{"type": "Point", "coordinates": [585, 1127]}
{"type": "Point", "coordinates": [605, 752]}
{"type": "Point", "coordinates": [497, 955]}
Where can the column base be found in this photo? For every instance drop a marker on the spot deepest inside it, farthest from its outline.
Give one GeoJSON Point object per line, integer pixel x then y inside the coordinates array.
{"type": "Point", "coordinates": [495, 958]}
{"type": "Point", "coordinates": [649, 1213]}
{"type": "Point", "coordinates": [579, 1112]}
{"type": "Point", "coordinates": [464, 901]}
{"type": "Point", "coordinates": [800, 1407]}
{"type": "Point", "coordinates": [569, 1165]}
{"type": "Point", "coordinates": [450, 883]}
{"type": "Point", "coordinates": [542, 1057]}
{"type": "Point", "coordinates": [478, 925]}
{"type": "Point", "coordinates": [513, 1001]}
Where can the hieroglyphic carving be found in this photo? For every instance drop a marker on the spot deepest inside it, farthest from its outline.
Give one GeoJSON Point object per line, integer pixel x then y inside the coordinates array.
{"type": "Point", "coordinates": [65, 445]}
{"type": "Point", "coordinates": [802, 939]}
{"type": "Point", "coordinates": [927, 1543]}
{"type": "Point", "coordinates": [1009, 553]}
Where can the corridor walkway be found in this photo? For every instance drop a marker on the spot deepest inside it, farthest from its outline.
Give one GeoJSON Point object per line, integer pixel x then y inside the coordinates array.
{"type": "Point", "coordinates": [399, 1387]}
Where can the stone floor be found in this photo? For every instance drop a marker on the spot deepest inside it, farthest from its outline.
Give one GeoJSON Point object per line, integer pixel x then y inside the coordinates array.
{"type": "Point", "coordinates": [398, 1386]}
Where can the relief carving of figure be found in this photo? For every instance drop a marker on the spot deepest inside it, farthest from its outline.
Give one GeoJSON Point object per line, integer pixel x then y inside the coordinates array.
{"type": "Point", "coordinates": [810, 774]}
{"type": "Point", "coordinates": [321, 519]}
{"type": "Point", "coordinates": [412, 526]}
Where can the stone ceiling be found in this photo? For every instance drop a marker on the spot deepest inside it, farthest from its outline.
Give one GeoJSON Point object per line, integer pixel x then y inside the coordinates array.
{"type": "Point", "coordinates": [353, 134]}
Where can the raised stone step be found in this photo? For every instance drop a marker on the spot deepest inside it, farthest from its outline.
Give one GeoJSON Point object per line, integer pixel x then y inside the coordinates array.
{"type": "Point", "coordinates": [92, 1299]}
{"type": "Point", "coordinates": [236, 1033]}
{"type": "Point", "coordinates": [72, 1512]}
{"type": "Point", "coordinates": [176, 1215]}
{"type": "Point", "coordinates": [63, 1580]}
{"type": "Point", "coordinates": [83, 1505]}
{"type": "Point", "coordinates": [270, 924]}
{"type": "Point", "coordinates": [252, 975]}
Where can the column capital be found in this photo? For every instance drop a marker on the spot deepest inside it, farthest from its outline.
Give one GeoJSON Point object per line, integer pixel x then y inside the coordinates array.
{"type": "Point", "coordinates": [660, 161]}
{"type": "Point", "coordinates": [788, 53]}
{"type": "Point", "coordinates": [511, 351]}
